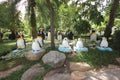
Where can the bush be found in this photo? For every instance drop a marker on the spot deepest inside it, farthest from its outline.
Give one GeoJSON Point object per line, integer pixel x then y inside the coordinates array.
{"type": "Point", "coordinates": [6, 34]}
{"type": "Point", "coordinates": [116, 40]}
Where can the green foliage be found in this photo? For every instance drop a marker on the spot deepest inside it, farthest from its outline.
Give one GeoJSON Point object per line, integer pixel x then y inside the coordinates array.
{"type": "Point", "coordinates": [67, 15]}
{"type": "Point", "coordinates": [90, 12]}
{"type": "Point", "coordinates": [117, 23]}
{"type": "Point", "coordinates": [6, 35]}
{"type": "Point", "coordinates": [82, 26]}
{"type": "Point", "coordinates": [116, 40]}
{"type": "Point", "coordinates": [9, 16]}
{"type": "Point", "coordinates": [96, 17]}
{"type": "Point", "coordinates": [43, 13]}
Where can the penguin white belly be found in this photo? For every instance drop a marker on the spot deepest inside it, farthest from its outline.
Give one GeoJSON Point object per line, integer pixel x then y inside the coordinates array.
{"type": "Point", "coordinates": [20, 43]}
{"type": "Point", "coordinates": [93, 37]}
{"type": "Point", "coordinates": [79, 44]}
{"type": "Point", "coordinates": [35, 46]}
{"type": "Point", "coordinates": [104, 43]}
{"type": "Point", "coordinates": [65, 44]}
{"type": "Point", "coordinates": [40, 41]}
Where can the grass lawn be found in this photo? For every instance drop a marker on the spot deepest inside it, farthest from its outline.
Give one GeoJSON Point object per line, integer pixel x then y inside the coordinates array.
{"type": "Point", "coordinates": [94, 57]}
{"type": "Point", "coordinates": [27, 64]}
{"type": "Point", "coordinates": [12, 62]}
{"type": "Point", "coordinates": [6, 46]}
{"type": "Point", "coordinates": [97, 58]}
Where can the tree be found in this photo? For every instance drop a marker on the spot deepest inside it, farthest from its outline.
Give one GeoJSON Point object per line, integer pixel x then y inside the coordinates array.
{"type": "Point", "coordinates": [82, 26]}
{"type": "Point", "coordinates": [9, 16]}
{"type": "Point", "coordinates": [42, 14]}
{"type": "Point", "coordinates": [110, 23]}
{"type": "Point", "coordinates": [51, 23]}
{"type": "Point", "coordinates": [32, 4]}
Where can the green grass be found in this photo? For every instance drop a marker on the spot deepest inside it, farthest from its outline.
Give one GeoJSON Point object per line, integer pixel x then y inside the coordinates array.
{"type": "Point", "coordinates": [4, 65]}
{"type": "Point", "coordinates": [94, 57]}
{"type": "Point", "coordinates": [17, 75]}
{"type": "Point", "coordinates": [27, 64]}
{"type": "Point", "coordinates": [47, 69]}
{"type": "Point", "coordinates": [7, 64]}
{"type": "Point", "coordinates": [97, 58]}
{"type": "Point", "coordinates": [7, 46]}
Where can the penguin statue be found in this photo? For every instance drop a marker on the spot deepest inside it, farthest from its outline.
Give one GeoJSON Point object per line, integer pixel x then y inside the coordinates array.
{"type": "Point", "coordinates": [40, 40]}
{"type": "Point", "coordinates": [104, 42]}
{"type": "Point", "coordinates": [93, 36]}
{"type": "Point", "coordinates": [36, 48]}
{"type": "Point", "coordinates": [79, 46]}
{"type": "Point", "coordinates": [104, 45]}
{"type": "Point", "coordinates": [65, 47]}
{"type": "Point", "coordinates": [20, 42]}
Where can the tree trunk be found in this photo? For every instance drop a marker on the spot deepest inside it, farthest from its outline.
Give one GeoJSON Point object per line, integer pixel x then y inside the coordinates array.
{"type": "Point", "coordinates": [110, 23]}
{"type": "Point", "coordinates": [51, 23]}
{"type": "Point", "coordinates": [0, 38]}
{"type": "Point", "coordinates": [33, 19]}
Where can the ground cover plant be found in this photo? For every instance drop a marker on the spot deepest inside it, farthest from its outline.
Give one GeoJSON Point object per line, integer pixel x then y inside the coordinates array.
{"type": "Point", "coordinates": [6, 46]}
{"type": "Point", "coordinates": [97, 58]}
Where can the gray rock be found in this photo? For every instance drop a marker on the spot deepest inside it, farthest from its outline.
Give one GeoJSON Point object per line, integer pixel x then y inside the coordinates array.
{"type": "Point", "coordinates": [54, 59]}
{"type": "Point", "coordinates": [32, 56]}
{"type": "Point", "coordinates": [31, 73]}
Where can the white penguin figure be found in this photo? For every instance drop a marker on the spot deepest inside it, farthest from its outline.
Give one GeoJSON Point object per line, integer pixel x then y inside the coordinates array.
{"type": "Point", "coordinates": [79, 46]}
{"type": "Point", "coordinates": [65, 47]}
{"type": "Point", "coordinates": [79, 43]}
{"type": "Point", "coordinates": [40, 40]}
{"type": "Point", "coordinates": [104, 42]}
{"type": "Point", "coordinates": [35, 45]}
{"type": "Point", "coordinates": [65, 43]}
{"type": "Point", "coordinates": [20, 42]}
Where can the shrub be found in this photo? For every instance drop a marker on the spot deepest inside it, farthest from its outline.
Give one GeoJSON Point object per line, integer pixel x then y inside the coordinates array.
{"type": "Point", "coordinates": [116, 40]}
{"type": "Point", "coordinates": [6, 34]}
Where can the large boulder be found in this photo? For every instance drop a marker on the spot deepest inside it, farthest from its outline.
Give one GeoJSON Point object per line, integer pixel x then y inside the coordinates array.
{"type": "Point", "coordinates": [33, 56]}
{"type": "Point", "coordinates": [54, 59]}
{"type": "Point", "coordinates": [31, 73]}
